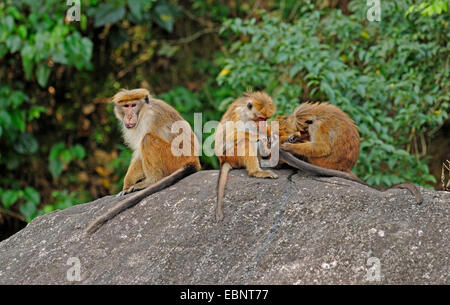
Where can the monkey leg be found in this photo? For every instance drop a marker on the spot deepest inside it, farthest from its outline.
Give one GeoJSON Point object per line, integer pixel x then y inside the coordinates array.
{"type": "Point", "coordinates": [310, 149]}
{"type": "Point", "coordinates": [154, 152]}
{"type": "Point", "coordinates": [251, 163]}
{"type": "Point", "coordinates": [134, 173]}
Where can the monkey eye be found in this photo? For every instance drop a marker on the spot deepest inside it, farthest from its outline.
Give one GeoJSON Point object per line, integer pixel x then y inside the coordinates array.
{"type": "Point", "coordinates": [308, 122]}
{"type": "Point", "coordinates": [250, 106]}
{"type": "Point", "coordinates": [133, 105]}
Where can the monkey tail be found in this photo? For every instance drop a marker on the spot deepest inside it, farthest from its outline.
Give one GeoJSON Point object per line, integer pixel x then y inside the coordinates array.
{"type": "Point", "coordinates": [138, 196]}
{"type": "Point", "coordinates": [410, 187]}
{"type": "Point", "coordinates": [314, 169]}
{"type": "Point", "coordinates": [317, 170]}
{"type": "Point", "coordinates": [223, 175]}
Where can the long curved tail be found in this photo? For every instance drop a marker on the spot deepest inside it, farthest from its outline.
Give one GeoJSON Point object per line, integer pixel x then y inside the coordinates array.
{"type": "Point", "coordinates": [408, 186]}
{"type": "Point", "coordinates": [223, 175]}
{"type": "Point", "coordinates": [138, 196]}
{"type": "Point", "coordinates": [317, 170]}
{"type": "Point", "coordinates": [314, 169]}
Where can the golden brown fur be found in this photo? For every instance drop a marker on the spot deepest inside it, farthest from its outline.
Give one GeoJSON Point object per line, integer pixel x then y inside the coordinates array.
{"type": "Point", "coordinates": [238, 111]}
{"type": "Point", "coordinates": [156, 163]}
{"type": "Point", "coordinates": [288, 131]}
{"type": "Point", "coordinates": [229, 144]}
{"type": "Point", "coordinates": [333, 137]}
{"type": "Point", "coordinates": [125, 95]}
{"type": "Point", "coordinates": [329, 140]}
{"type": "Point", "coordinates": [151, 140]}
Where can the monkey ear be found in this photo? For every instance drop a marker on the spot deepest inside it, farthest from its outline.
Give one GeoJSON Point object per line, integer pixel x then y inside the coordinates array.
{"type": "Point", "coordinates": [146, 99]}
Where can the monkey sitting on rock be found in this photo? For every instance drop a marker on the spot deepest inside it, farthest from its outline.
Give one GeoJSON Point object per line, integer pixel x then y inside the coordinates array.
{"type": "Point", "coordinates": [147, 125]}
{"type": "Point", "coordinates": [328, 140]}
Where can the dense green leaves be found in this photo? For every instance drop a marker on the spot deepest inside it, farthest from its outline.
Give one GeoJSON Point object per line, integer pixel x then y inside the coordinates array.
{"type": "Point", "coordinates": [429, 8]}
{"type": "Point", "coordinates": [60, 156]}
{"type": "Point", "coordinates": [107, 13]}
{"type": "Point", "coordinates": [40, 38]}
{"type": "Point", "coordinates": [9, 197]}
{"type": "Point", "coordinates": [26, 144]}
{"type": "Point", "coordinates": [35, 37]}
{"type": "Point", "coordinates": [164, 15]}
{"type": "Point", "coordinates": [393, 81]}
{"type": "Point", "coordinates": [13, 120]}
{"type": "Point", "coordinates": [162, 12]}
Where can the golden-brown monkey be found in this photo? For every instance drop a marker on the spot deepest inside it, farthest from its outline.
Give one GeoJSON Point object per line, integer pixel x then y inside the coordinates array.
{"type": "Point", "coordinates": [332, 143]}
{"type": "Point", "coordinates": [334, 138]}
{"type": "Point", "coordinates": [288, 131]}
{"type": "Point", "coordinates": [236, 146]}
{"type": "Point", "coordinates": [158, 160]}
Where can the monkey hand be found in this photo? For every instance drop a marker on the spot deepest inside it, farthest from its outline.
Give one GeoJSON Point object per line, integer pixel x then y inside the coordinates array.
{"type": "Point", "coordinates": [264, 147]}
{"type": "Point", "coordinates": [122, 193]}
{"type": "Point", "coordinates": [127, 191]}
{"type": "Point", "coordinates": [287, 146]}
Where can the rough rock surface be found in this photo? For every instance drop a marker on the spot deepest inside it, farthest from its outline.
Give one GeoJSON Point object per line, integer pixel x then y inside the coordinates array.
{"type": "Point", "coordinates": [293, 230]}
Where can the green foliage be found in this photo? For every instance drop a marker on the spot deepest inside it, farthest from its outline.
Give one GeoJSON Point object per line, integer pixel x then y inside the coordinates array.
{"type": "Point", "coordinates": [161, 12]}
{"type": "Point", "coordinates": [9, 197]}
{"type": "Point", "coordinates": [61, 200]}
{"type": "Point", "coordinates": [35, 41]}
{"type": "Point", "coordinates": [42, 38]}
{"type": "Point", "coordinates": [393, 80]}
{"type": "Point", "coordinates": [16, 112]}
{"type": "Point", "coordinates": [30, 200]}
{"type": "Point", "coordinates": [60, 144]}
{"type": "Point", "coordinates": [120, 164]}
{"type": "Point", "coordinates": [60, 157]}
{"type": "Point", "coordinates": [429, 8]}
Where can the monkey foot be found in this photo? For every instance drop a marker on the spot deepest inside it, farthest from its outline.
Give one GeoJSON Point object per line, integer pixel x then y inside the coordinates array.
{"type": "Point", "coordinates": [264, 174]}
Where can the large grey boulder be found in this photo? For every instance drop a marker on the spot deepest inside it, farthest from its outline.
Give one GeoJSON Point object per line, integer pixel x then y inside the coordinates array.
{"type": "Point", "coordinates": [293, 230]}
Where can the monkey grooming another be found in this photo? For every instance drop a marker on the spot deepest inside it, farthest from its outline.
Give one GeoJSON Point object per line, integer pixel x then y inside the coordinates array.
{"type": "Point", "coordinates": [147, 130]}
{"type": "Point", "coordinates": [252, 107]}
{"type": "Point", "coordinates": [333, 144]}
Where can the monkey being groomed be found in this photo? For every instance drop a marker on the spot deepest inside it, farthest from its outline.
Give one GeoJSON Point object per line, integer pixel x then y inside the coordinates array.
{"type": "Point", "coordinates": [329, 142]}
{"type": "Point", "coordinates": [156, 163]}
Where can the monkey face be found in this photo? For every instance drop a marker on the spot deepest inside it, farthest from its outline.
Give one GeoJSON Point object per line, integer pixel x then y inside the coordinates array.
{"type": "Point", "coordinates": [252, 113]}
{"type": "Point", "coordinates": [289, 131]}
{"type": "Point", "coordinates": [128, 104]}
{"type": "Point", "coordinates": [307, 118]}
{"type": "Point", "coordinates": [259, 106]}
{"type": "Point", "coordinates": [306, 125]}
{"type": "Point", "coordinates": [128, 112]}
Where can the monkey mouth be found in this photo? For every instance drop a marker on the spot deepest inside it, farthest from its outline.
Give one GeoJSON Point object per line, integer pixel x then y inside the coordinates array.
{"type": "Point", "coordinates": [260, 118]}
{"type": "Point", "coordinates": [305, 134]}
{"type": "Point", "coordinates": [261, 121]}
{"type": "Point", "coordinates": [129, 126]}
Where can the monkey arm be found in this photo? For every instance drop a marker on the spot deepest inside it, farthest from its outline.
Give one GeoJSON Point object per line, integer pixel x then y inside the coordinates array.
{"type": "Point", "coordinates": [134, 173]}
{"type": "Point", "coordinates": [309, 149]}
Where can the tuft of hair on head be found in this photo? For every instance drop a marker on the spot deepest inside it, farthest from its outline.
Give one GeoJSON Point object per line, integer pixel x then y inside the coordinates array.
{"type": "Point", "coordinates": [125, 95]}
{"type": "Point", "coordinates": [309, 108]}
{"type": "Point", "coordinates": [263, 101]}
{"type": "Point", "coordinates": [258, 96]}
